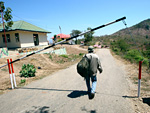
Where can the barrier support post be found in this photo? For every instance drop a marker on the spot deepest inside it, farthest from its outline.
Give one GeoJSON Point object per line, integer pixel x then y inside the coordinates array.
{"type": "Point", "coordinates": [11, 79]}
{"type": "Point", "coordinates": [13, 73]}
{"type": "Point", "coordinates": [139, 77]}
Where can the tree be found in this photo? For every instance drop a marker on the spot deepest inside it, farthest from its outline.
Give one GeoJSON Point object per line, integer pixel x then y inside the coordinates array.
{"type": "Point", "coordinates": [147, 27]}
{"type": "Point", "coordinates": [123, 45]}
{"type": "Point", "coordinates": [88, 36]}
{"type": "Point", "coordinates": [55, 38]}
{"type": "Point", "coordinates": [74, 33]}
{"type": "Point", "coordinates": [6, 15]}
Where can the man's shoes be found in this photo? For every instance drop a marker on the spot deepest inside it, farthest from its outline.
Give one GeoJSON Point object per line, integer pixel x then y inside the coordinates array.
{"type": "Point", "coordinates": [91, 95]}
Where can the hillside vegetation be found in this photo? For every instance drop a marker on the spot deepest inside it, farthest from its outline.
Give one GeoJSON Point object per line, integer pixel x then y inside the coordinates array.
{"type": "Point", "coordinates": [131, 43]}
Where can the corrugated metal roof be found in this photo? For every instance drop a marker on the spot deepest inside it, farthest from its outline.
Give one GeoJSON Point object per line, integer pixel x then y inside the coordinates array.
{"type": "Point", "coordinates": [24, 26]}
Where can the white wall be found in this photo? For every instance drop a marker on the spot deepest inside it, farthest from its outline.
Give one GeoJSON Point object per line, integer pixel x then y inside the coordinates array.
{"type": "Point", "coordinates": [43, 39]}
{"type": "Point", "coordinates": [12, 43]}
{"type": "Point", "coordinates": [25, 37]}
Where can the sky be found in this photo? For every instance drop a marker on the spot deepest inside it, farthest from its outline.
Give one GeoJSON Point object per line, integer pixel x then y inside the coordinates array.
{"type": "Point", "coordinates": [79, 14]}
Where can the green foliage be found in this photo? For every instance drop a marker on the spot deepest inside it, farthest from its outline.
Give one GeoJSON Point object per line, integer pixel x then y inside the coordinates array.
{"type": "Point", "coordinates": [88, 36]}
{"type": "Point", "coordinates": [143, 25]}
{"type": "Point", "coordinates": [22, 81]}
{"type": "Point", "coordinates": [147, 36]}
{"type": "Point", "coordinates": [50, 56]}
{"type": "Point", "coordinates": [81, 54]}
{"type": "Point", "coordinates": [135, 56]}
{"type": "Point", "coordinates": [60, 61]}
{"type": "Point", "coordinates": [7, 15]}
{"type": "Point", "coordinates": [67, 58]}
{"type": "Point", "coordinates": [116, 50]}
{"type": "Point", "coordinates": [147, 27]}
{"type": "Point", "coordinates": [148, 46]}
{"type": "Point", "coordinates": [55, 38]}
{"type": "Point", "coordinates": [147, 53]}
{"type": "Point", "coordinates": [120, 45]}
{"type": "Point", "coordinates": [132, 44]}
{"type": "Point", "coordinates": [74, 33]}
{"type": "Point", "coordinates": [2, 6]}
{"type": "Point", "coordinates": [59, 40]}
{"type": "Point", "coordinates": [64, 56]}
{"type": "Point", "coordinates": [28, 70]}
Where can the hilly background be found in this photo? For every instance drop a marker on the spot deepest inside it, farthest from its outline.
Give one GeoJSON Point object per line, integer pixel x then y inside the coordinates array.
{"type": "Point", "coordinates": [131, 43]}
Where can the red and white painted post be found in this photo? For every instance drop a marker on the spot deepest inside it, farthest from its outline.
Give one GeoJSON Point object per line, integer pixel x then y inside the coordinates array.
{"type": "Point", "coordinates": [139, 78]}
{"type": "Point", "coordinates": [13, 73]}
{"type": "Point", "coordinates": [11, 79]}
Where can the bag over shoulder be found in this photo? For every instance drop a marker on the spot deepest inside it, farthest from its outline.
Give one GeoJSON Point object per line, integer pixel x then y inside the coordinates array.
{"type": "Point", "coordinates": [83, 66]}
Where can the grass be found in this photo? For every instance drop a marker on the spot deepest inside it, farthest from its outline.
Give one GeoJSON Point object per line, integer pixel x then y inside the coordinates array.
{"type": "Point", "coordinates": [4, 69]}
{"type": "Point", "coordinates": [50, 56]}
{"type": "Point", "coordinates": [64, 56]}
{"type": "Point", "coordinates": [145, 89]}
{"type": "Point", "coordinates": [22, 81]}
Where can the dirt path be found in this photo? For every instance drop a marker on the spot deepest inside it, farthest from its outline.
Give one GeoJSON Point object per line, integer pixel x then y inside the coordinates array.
{"type": "Point", "coordinates": [65, 92]}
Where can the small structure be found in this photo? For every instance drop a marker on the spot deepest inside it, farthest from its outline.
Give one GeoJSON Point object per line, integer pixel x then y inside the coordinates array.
{"type": "Point", "coordinates": [97, 46]}
{"type": "Point", "coordinates": [23, 34]}
{"type": "Point", "coordinates": [62, 36]}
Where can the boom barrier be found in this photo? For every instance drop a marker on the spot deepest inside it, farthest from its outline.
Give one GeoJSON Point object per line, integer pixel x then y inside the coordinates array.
{"type": "Point", "coordinates": [64, 41]}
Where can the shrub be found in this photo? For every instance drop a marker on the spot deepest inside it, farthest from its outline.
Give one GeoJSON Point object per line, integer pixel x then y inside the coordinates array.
{"type": "Point", "coordinates": [59, 40]}
{"type": "Point", "coordinates": [116, 49]}
{"type": "Point", "coordinates": [64, 56]}
{"type": "Point", "coordinates": [22, 81]}
{"type": "Point", "coordinates": [50, 56]}
{"type": "Point", "coordinates": [135, 56]}
{"type": "Point", "coordinates": [28, 70]}
{"type": "Point", "coordinates": [81, 54]}
{"type": "Point", "coordinates": [120, 45]}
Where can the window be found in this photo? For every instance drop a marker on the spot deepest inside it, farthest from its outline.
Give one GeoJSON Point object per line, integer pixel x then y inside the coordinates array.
{"type": "Point", "coordinates": [8, 37]}
{"type": "Point", "coordinates": [3, 36]}
{"type": "Point", "coordinates": [17, 37]}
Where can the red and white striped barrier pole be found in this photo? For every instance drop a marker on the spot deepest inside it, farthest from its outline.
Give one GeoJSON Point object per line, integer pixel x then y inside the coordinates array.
{"type": "Point", "coordinates": [11, 79]}
{"type": "Point", "coordinates": [13, 73]}
{"type": "Point", "coordinates": [139, 78]}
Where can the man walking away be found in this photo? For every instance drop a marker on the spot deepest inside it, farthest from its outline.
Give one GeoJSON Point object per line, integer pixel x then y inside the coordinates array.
{"type": "Point", "coordinates": [95, 65]}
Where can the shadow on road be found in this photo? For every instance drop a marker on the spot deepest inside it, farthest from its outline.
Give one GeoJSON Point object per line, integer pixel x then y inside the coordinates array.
{"type": "Point", "coordinates": [76, 94]}
{"type": "Point", "coordinates": [45, 89]}
{"type": "Point", "coordinates": [146, 101]}
{"type": "Point", "coordinates": [73, 94]}
{"type": "Point", "coordinates": [37, 109]}
{"type": "Point", "coordinates": [129, 96]}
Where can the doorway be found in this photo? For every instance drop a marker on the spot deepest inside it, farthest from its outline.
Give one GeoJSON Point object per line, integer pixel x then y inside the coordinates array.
{"type": "Point", "coordinates": [36, 39]}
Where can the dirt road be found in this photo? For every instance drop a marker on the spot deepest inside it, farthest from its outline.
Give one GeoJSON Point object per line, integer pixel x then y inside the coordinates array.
{"type": "Point", "coordinates": [65, 92]}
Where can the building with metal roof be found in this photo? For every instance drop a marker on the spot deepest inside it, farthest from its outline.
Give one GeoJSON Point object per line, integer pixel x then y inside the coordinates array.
{"type": "Point", "coordinates": [23, 34]}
